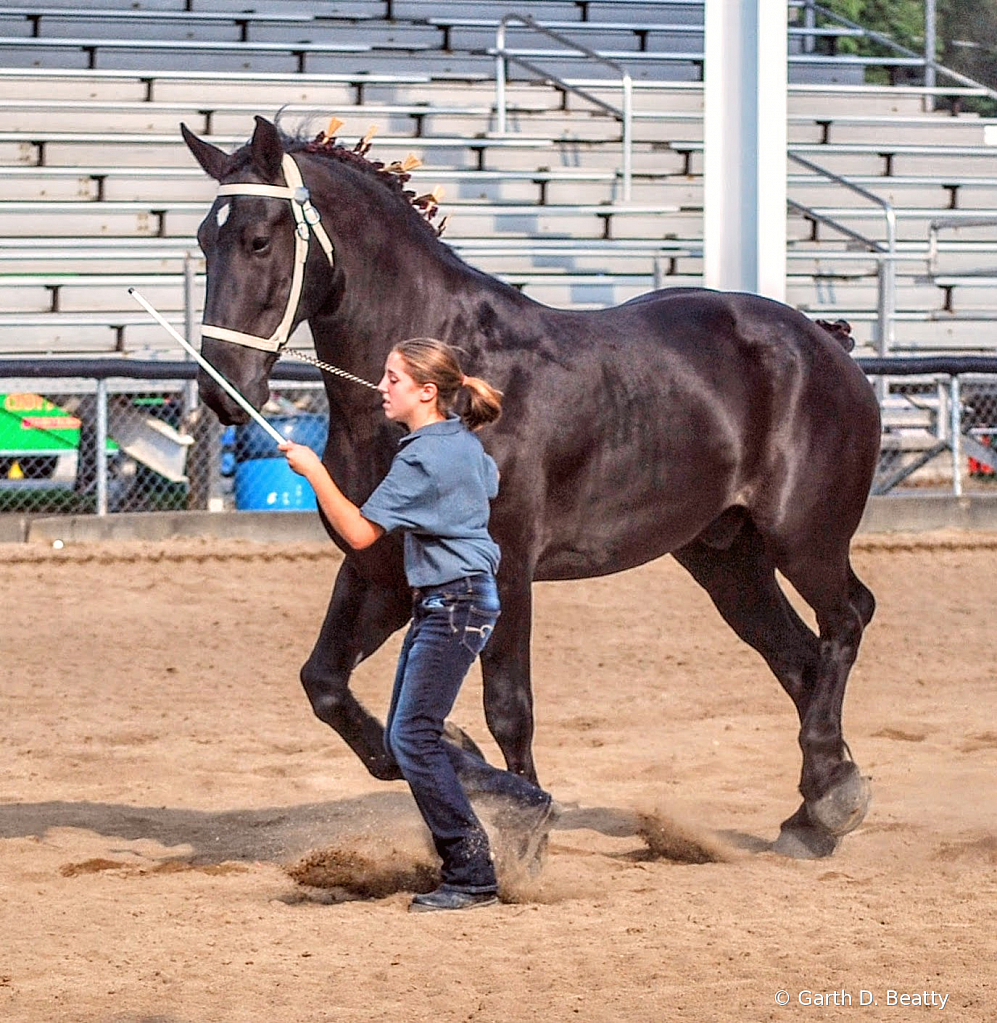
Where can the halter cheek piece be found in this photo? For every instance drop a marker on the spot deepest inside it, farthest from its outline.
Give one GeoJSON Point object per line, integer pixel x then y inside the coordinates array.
{"type": "Point", "coordinates": [307, 222]}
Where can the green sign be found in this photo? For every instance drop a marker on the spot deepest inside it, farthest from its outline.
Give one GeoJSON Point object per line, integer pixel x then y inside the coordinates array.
{"type": "Point", "coordinates": [33, 425]}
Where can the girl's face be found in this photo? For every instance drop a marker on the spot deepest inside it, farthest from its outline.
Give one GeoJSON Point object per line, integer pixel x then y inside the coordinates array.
{"type": "Point", "coordinates": [402, 398]}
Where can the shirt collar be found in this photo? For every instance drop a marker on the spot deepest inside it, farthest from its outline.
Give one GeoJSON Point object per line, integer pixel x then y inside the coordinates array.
{"type": "Point", "coordinates": [452, 424]}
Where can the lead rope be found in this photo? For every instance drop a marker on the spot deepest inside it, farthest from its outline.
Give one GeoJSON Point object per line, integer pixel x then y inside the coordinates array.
{"type": "Point", "coordinates": [329, 368]}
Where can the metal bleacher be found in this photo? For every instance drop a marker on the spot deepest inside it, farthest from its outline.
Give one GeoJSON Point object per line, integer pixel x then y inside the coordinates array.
{"type": "Point", "coordinates": [100, 191]}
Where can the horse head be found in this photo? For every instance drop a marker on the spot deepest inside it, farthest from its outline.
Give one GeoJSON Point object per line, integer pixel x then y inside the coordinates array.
{"type": "Point", "coordinates": [258, 239]}
{"type": "Point", "coordinates": [366, 271]}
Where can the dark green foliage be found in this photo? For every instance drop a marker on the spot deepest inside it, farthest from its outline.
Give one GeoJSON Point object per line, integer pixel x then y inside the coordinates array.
{"type": "Point", "coordinates": [966, 32]}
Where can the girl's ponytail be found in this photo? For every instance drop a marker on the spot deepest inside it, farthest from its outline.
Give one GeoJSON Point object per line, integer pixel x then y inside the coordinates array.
{"type": "Point", "coordinates": [485, 404]}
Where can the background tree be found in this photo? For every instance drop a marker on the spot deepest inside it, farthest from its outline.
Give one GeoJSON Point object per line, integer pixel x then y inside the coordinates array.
{"type": "Point", "coordinates": [966, 34]}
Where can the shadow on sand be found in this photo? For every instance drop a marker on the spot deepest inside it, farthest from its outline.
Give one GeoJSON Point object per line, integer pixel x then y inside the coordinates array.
{"type": "Point", "coordinates": [280, 833]}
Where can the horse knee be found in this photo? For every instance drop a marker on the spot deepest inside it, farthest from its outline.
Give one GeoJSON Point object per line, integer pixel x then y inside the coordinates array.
{"type": "Point", "coordinates": [511, 719]}
{"type": "Point", "coordinates": [328, 699]}
{"type": "Point", "coordinates": [840, 636]}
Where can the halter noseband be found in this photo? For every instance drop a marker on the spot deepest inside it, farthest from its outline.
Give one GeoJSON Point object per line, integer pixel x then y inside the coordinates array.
{"type": "Point", "coordinates": [307, 221]}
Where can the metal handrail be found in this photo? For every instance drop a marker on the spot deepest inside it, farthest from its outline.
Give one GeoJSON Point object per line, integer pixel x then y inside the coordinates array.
{"type": "Point", "coordinates": [944, 222]}
{"type": "Point", "coordinates": [886, 256]}
{"type": "Point", "coordinates": [503, 55]}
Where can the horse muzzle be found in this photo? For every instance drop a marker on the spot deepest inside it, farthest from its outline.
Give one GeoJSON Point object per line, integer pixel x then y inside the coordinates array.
{"type": "Point", "coordinates": [228, 411]}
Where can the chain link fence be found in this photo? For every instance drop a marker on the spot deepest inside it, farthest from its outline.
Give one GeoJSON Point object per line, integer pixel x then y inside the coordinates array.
{"type": "Point", "coordinates": [939, 433]}
{"type": "Point", "coordinates": [86, 446]}
{"type": "Point", "coordinates": [80, 445]}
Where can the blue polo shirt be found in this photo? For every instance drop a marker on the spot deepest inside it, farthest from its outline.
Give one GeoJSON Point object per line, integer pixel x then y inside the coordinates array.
{"type": "Point", "coordinates": [438, 491]}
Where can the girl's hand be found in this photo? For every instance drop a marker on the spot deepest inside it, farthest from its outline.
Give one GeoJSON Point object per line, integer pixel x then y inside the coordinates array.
{"type": "Point", "coordinates": [301, 458]}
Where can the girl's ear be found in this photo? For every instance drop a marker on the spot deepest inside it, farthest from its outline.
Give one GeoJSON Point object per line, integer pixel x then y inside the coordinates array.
{"type": "Point", "coordinates": [428, 392]}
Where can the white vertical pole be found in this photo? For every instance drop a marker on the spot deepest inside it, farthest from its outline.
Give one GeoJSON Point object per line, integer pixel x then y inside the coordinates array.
{"type": "Point", "coordinates": [955, 411]}
{"type": "Point", "coordinates": [930, 45]}
{"type": "Point", "coordinates": [745, 146]}
{"type": "Point", "coordinates": [102, 446]}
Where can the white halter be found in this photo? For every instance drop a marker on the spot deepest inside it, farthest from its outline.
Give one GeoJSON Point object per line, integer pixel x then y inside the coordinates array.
{"type": "Point", "coordinates": [307, 222]}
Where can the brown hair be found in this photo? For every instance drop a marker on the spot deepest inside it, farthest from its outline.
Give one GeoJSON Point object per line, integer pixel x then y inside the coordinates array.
{"type": "Point", "coordinates": [430, 361]}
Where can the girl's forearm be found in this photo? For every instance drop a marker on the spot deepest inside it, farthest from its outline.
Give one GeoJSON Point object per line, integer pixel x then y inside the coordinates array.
{"type": "Point", "coordinates": [343, 514]}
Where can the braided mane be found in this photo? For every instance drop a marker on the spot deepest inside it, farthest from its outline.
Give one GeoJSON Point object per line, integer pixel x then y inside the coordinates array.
{"type": "Point", "coordinates": [392, 176]}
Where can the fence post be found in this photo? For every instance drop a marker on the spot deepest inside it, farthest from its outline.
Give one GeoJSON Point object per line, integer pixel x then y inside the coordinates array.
{"type": "Point", "coordinates": [955, 431]}
{"type": "Point", "coordinates": [102, 446]}
{"type": "Point", "coordinates": [190, 387]}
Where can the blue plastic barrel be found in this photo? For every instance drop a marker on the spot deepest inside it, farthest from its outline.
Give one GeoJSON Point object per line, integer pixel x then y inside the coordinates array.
{"type": "Point", "coordinates": [263, 479]}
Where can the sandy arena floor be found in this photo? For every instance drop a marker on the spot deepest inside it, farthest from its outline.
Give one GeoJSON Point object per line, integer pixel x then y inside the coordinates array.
{"type": "Point", "coordinates": [162, 773]}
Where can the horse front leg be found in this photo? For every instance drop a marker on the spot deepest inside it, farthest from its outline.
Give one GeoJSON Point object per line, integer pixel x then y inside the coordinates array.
{"type": "Point", "coordinates": [361, 615]}
{"type": "Point", "coordinates": [505, 669]}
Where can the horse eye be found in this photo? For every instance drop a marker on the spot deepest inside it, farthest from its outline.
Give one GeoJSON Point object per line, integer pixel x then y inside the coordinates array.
{"type": "Point", "coordinates": [260, 242]}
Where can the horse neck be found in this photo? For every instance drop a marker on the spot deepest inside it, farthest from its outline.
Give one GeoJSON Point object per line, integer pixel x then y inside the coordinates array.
{"type": "Point", "coordinates": [399, 280]}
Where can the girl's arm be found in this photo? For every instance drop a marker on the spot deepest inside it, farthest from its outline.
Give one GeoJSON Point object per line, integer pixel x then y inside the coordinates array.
{"type": "Point", "coordinates": [344, 515]}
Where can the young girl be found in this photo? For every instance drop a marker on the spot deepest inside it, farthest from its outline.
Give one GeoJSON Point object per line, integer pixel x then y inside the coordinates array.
{"type": "Point", "coordinates": [437, 492]}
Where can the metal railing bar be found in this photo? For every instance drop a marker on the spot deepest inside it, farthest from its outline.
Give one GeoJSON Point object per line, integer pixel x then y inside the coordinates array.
{"type": "Point", "coordinates": [502, 56]}
{"type": "Point", "coordinates": [887, 303]}
{"type": "Point", "coordinates": [941, 223]}
{"type": "Point", "coordinates": [163, 369]}
{"type": "Point", "coordinates": [812, 214]}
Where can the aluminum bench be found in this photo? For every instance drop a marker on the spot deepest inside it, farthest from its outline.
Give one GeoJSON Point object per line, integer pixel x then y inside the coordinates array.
{"type": "Point", "coordinates": [887, 151]}
{"type": "Point", "coordinates": [37, 16]}
{"type": "Point", "coordinates": [42, 141]}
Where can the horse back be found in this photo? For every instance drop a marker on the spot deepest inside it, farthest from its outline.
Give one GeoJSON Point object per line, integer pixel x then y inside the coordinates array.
{"type": "Point", "coordinates": [628, 431]}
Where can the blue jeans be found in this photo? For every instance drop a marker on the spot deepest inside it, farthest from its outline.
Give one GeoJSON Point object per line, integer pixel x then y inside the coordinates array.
{"type": "Point", "coordinates": [450, 626]}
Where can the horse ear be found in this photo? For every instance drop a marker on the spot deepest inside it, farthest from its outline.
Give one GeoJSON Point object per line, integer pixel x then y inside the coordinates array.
{"type": "Point", "coordinates": [267, 149]}
{"type": "Point", "coordinates": [211, 158]}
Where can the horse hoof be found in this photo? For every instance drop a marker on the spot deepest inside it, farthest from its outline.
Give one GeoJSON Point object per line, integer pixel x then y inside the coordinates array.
{"type": "Point", "coordinates": [843, 807]}
{"type": "Point", "coordinates": [804, 842]}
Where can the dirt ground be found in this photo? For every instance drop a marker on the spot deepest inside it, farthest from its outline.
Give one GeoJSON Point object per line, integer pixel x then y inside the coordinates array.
{"type": "Point", "coordinates": [164, 783]}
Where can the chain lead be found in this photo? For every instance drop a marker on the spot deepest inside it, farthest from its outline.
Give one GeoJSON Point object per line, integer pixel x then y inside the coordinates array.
{"type": "Point", "coordinates": [328, 368]}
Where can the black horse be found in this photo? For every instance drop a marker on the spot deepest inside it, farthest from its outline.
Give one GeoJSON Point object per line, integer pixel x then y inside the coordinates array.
{"type": "Point", "coordinates": [726, 429]}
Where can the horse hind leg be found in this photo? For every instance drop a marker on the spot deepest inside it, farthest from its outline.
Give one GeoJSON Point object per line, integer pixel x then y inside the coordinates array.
{"type": "Point", "coordinates": [740, 579]}
{"type": "Point", "coordinates": [835, 795]}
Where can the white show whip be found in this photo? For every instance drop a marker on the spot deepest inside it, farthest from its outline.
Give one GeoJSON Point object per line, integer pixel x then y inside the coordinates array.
{"type": "Point", "coordinates": [206, 366]}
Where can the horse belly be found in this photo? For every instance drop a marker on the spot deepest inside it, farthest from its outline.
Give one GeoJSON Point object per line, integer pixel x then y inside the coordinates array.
{"type": "Point", "coordinates": [627, 527]}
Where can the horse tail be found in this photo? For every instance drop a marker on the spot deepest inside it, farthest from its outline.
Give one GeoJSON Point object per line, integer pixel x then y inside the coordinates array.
{"type": "Point", "coordinates": [841, 331]}
{"type": "Point", "coordinates": [485, 405]}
